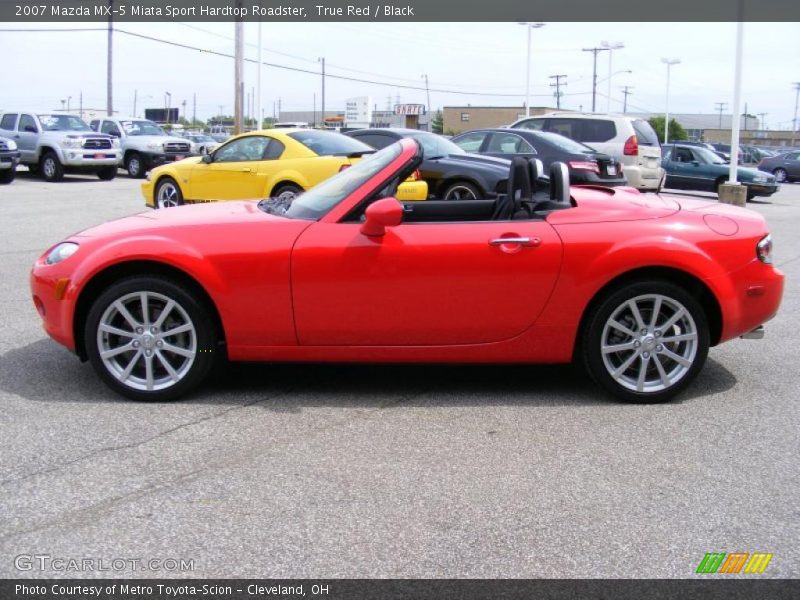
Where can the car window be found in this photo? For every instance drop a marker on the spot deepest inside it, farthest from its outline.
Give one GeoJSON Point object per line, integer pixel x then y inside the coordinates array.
{"type": "Point", "coordinates": [596, 130]}
{"type": "Point", "coordinates": [326, 143]}
{"type": "Point", "coordinates": [534, 124]}
{"type": "Point", "coordinates": [26, 123]}
{"type": "Point", "coordinates": [564, 143]}
{"type": "Point", "coordinates": [683, 155]}
{"type": "Point", "coordinates": [435, 146]}
{"type": "Point", "coordinates": [795, 156]}
{"type": "Point", "coordinates": [508, 143]}
{"type": "Point", "coordinates": [644, 133]}
{"type": "Point", "coordinates": [8, 121]}
{"type": "Point", "coordinates": [252, 147]}
{"type": "Point", "coordinates": [471, 142]}
{"type": "Point", "coordinates": [274, 150]}
{"type": "Point", "coordinates": [375, 140]}
{"type": "Point", "coordinates": [109, 127]}
{"type": "Point", "coordinates": [94, 124]}
{"type": "Point", "coordinates": [142, 127]}
{"type": "Point", "coordinates": [707, 156]}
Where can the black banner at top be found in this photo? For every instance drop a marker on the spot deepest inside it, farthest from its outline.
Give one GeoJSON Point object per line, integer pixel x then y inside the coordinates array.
{"type": "Point", "coordinates": [67, 11]}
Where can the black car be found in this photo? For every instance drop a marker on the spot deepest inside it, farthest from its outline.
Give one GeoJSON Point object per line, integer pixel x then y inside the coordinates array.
{"type": "Point", "coordinates": [451, 173]}
{"type": "Point", "coordinates": [9, 159]}
{"type": "Point", "coordinates": [586, 165]}
{"type": "Point", "coordinates": [785, 167]}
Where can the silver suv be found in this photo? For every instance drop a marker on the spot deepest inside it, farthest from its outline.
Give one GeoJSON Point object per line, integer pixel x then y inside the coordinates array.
{"type": "Point", "coordinates": [630, 140]}
{"type": "Point", "coordinates": [144, 144]}
{"type": "Point", "coordinates": [54, 144]}
{"type": "Point", "coordinates": [9, 159]}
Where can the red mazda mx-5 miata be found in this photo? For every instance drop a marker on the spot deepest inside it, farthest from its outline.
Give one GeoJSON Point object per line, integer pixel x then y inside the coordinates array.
{"type": "Point", "coordinates": [636, 287]}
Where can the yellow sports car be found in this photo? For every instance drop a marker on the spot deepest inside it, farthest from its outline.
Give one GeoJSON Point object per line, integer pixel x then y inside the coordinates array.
{"type": "Point", "coordinates": [277, 163]}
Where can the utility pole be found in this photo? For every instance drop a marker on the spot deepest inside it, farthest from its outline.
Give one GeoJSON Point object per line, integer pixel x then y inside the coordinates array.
{"type": "Point", "coordinates": [80, 104]}
{"type": "Point", "coordinates": [762, 122]}
{"type": "Point", "coordinates": [428, 95]}
{"type": "Point", "coordinates": [184, 110]}
{"type": "Point", "coordinates": [259, 106]}
{"type": "Point", "coordinates": [796, 85]}
{"type": "Point", "coordinates": [322, 60]}
{"type": "Point", "coordinates": [238, 72]}
{"type": "Point", "coordinates": [558, 85]}
{"type": "Point", "coordinates": [135, 98]}
{"type": "Point", "coordinates": [594, 73]}
{"type": "Point", "coordinates": [745, 117]}
{"type": "Point", "coordinates": [721, 106]}
{"type": "Point", "coordinates": [314, 124]}
{"type": "Point", "coordinates": [194, 108]}
{"type": "Point", "coordinates": [110, 62]}
{"type": "Point", "coordinates": [626, 90]}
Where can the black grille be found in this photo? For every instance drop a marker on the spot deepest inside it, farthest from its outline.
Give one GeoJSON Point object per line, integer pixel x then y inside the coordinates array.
{"type": "Point", "coordinates": [3, 145]}
{"type": "Point", "coordinates": [96, 144]}
{"type": "Point", "coordinates": [176, 147]}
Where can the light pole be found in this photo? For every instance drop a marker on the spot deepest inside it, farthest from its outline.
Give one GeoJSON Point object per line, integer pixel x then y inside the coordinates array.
{"type": "Point", "coordinates": [610, 46]}
{"type": "Point", "coordinates": [167, 98]}
{"type": "Point", "coordinates": [69, 98]}
{"type": "Point", "coordinates": [321, 60]}
{"type": "Point", "coordinates": [63, 103]}
{"type": "Point", "coordinates": [428, 96]}
{"type": "Point", "coordinates": [796, 101]}
{"type": "Point", "coordinates": [529, 27]}
{"type": "Point", "coordinates": [669, 62]}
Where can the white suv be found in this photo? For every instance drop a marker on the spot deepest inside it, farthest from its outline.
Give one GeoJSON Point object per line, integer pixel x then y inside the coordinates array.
{"type": "Point", "coordinates": [630, 140]}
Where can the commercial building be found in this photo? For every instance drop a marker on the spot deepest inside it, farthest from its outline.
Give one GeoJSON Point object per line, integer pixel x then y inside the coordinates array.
{"type": "Point", "coordinates": [457, 119]}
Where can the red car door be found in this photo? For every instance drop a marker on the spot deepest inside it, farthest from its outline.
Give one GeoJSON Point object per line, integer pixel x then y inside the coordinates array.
{"type": "Point", "coordinates": [422, 284]}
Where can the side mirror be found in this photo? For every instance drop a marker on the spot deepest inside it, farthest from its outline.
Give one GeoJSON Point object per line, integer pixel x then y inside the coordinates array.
{"type": "Point", "coordinates": [696, 163]}
{"type": "Point", "coordinates": [207, 158]}
{"type": "Point", "coordinates": [387, 212]}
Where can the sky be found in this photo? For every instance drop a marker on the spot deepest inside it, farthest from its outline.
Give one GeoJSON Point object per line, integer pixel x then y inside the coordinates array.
{"type": "Point", "coordinates": [478, 64]}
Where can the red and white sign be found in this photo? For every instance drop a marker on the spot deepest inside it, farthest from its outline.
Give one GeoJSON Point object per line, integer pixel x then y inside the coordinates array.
{"type": "Point", "coordinates": [409, 109]}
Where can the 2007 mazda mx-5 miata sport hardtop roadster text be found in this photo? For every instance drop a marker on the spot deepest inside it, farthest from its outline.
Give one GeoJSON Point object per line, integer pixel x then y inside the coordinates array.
{"type": "Point", "coordinates": [635, 287]}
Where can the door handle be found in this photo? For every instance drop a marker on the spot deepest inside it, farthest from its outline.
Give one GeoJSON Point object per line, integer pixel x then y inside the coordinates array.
{"type": "Point", "coordinates": [246, 170]}
{"type": "Point", "coordinates": [520, 241]}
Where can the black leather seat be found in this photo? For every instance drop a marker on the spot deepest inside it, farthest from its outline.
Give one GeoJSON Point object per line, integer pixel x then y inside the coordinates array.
{"type": "Point", "coordinates": [519, 189]}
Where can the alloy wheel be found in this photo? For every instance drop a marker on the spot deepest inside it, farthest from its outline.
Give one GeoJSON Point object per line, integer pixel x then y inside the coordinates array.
{"type": "Point", "coordinates": [167, 195]}
{"type": "Point", "coordinates": [461, 192]}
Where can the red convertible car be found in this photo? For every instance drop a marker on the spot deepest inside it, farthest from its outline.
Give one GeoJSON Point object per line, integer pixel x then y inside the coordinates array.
{"type": "Point", "coordinates": [635, 287]}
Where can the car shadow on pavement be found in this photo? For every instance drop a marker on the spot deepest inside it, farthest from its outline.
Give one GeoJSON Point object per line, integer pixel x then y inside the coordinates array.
{"type": "Point", "coordinates": [45, 372]}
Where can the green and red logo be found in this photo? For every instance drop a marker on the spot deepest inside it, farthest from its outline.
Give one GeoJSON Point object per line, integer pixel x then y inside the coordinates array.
{"type": "Point", "coordinates": [736, 562]}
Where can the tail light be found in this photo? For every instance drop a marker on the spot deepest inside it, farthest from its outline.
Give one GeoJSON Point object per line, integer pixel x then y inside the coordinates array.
{"type": "Point", "coordinates": [764, 250]}
{"type": "Point", "coordinates": [344, 166]}
{"type": "Point", "coordinates": [416, 175]}
{"type": "Point", "coordinates": [631, 146]}
{"type": "Point", "coordinates": [584, 165]}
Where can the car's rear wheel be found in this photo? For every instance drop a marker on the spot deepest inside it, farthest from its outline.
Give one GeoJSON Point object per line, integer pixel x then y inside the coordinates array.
{"type": "Point", "coordinates": [646, 341]}
{"type": "Point", "coordinates": [107, 173]}
{"type": "Point", "coordinates": [135, 165]}
{"type": "Point", "coordinates": [51, 168]}
{"type": "Point", "coordinates": [150, 338]}
{"type": "Point", "coordinates": [7, 175]}
{"type": "Point", "coordinates": [287, 191]}
{"type": "Point", "coordinates": [168, 194]}
{"type": "Point", "coordinates": [461, 190]}
{"type": "Point", "coordinates": [781, 175]}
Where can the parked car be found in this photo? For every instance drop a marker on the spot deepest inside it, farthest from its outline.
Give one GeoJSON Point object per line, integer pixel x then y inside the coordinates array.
{"type": "Point", "coordinates": [451, 173]}
{"type": "Point", "coordinates": [54, 144]}
{"type": "Point", "coordinates": [9, 159]}
{"type": "Point", "coordinates": [629, 140]}
{"type": "Point", "coordinates": [694, 168]}
{"type": "Point", "coordinates": [635, 287]}
{"type": "Point", "coordinates": [785, 167]}
{"type": "Point", "coordinates": [270, 163]}
{"type": "Point", "coordinates": [144, 144]}
{"type": "Point", "coordinates": [201, 143]}
{"type": "Point", "coordinates": [586, 165]}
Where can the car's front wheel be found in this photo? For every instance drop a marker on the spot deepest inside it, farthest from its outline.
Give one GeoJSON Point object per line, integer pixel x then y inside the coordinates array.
{"type": "Point", "coordinates": [646, 341]}
{"type": "Point", "coordinates": [287, 191]}
{"type": "Point", "coordinates": [7, 175]}
{"type": "Point", "coordinates": [780, 175]}
{"type": "Point", "coordinates": [462, 190]}
{"type": "Point", "coordinates": [150, 338]}
{"type": "Point", "coordinates": [134, 164]}
{"type": "Point", "coordinates": [50, 167]}
{"type": "Point", "coordinates": [168, 194]}
{"type": "Point", "coordinates": [107, 173]}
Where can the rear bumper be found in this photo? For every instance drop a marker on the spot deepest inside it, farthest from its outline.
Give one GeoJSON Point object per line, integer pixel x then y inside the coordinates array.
{"type": "Point", "coordinates": [579, 177]}
{"type": "Point", "coordinates": [642, 178]}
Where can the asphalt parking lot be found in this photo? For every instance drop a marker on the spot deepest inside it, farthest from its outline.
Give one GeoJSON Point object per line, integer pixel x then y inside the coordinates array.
{"type": "Point", "coordinates": [359, 471]}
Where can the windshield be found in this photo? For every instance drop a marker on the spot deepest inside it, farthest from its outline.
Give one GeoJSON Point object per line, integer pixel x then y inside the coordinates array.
{"type": "Point", "coordinates": [63, 123]}
{"type": "Point", "coordinates": [141, 128]}
{"type": "Point", "coordinates": [564, 143]}
{"type": "Point", "coordinates": [707, 156]}
{"type": "Point", "coordinates": [317, 201]}
{"type": "Point", "coordinates": [434, 146]}
{"type": "Point", "coordinates": [326, 143]}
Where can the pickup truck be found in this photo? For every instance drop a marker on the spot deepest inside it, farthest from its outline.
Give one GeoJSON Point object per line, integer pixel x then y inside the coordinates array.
{"type": "Point", "coordinates": [9, 159]}
{"type": "Point", "coordinates": [55, 144]}
{"type": "Point", "coordinates": [144, 144]}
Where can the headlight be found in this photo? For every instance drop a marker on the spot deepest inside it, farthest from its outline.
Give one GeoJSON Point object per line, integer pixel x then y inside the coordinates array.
{"type": "Point", "coordinates": [154, 146]}
{"type": "Point", "coordinates": [71, 143]}
{"type": "Point", "coordinates": [61, 252]}
{"type": "Point", "coordinates": [114, 143]}
{"type": "Point", "coordinates": [759, 179]}
{"type": "Point", "coordinates": [12, 145]}
{"type": "Point", "coordinates": [764, 249]}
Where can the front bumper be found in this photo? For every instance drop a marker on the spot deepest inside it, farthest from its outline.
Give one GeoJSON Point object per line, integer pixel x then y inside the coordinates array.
{"type": "Point", "coordinates": [56, 312]}
{"type": "Point", "coordinates": [761, 189]}
{"type": "Point", "coordinates": [155, 159]}
{"type": "Point", "coordinates": [147, 191]}
{"type": "Point", "coordinates": [9, 159]}
{"type": "Point", "coordinates": [79, 158]}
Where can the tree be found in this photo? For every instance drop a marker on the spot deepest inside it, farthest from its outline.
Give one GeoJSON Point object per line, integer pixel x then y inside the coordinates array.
{"type": "Point", "coordinates": [437, 122]}
{"type": "Point", "coordinates": [676, 131]}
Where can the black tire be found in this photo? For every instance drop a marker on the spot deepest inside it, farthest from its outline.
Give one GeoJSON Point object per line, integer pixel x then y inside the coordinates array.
{"type": "Point", "coordinates": [134, 164]}
{"type": "Point", "coordinates": [50, 168]}
{"type": "Point", "coordinates": [167, 194]}
{"type": "Point", "coordinates": [462, 190]}
{"type": "Point", "coordinates": [781, 176]}
{"type": "Point", "coordinates": [107, 173]}
{"type": "Point", "coordinates": [33, 169]}
{"type": "Point", "coordinates": [159, 289]}
{"type": "Point", "coordinates": [7, 175]}
{"type": "Point", "coordinates": [599, 365]}
{"type": "Point", "coordinates": [287, 190]}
